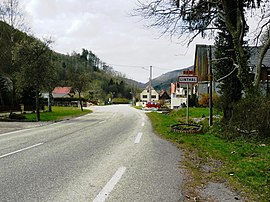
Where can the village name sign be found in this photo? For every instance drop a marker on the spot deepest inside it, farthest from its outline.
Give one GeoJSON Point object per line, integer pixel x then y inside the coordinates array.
{"type": "Point", "coordinates": [188, 79]}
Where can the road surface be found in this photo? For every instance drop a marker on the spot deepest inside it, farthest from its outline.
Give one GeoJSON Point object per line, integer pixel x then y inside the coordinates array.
{"type": "Point", "coordinates": [109, 155]}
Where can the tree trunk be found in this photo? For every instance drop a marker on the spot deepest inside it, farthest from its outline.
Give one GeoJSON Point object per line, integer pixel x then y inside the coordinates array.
{"type": "Point", "coordinates": [227, 114]}
{"type": "Point", "coordinates": [80, 101]}
{"type": "Point", "coordinates": [37, 106]}
{"type": "Point", "coordinates": [259, 64]}
{"type": "Point", "coordinates": [13, 98]}
{"type": "Point", "coordinates": [235, 24]}
{"type": "Point", "coordinates": [243, 71]}
{"type": "Point", "coordinates": [50, 102]}
{"type": "Point", "coordinates": [1, 99]}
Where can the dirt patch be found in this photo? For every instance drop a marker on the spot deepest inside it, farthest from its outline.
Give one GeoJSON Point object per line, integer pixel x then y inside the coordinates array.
{"type": "Point", "coordinates": [199, 183]}
{"type": "Point", "coordinates": [218, 192]}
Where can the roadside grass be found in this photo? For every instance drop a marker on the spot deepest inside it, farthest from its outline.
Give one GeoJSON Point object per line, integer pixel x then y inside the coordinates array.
{"type": "Point", "coordinates": [137, 107]}
{"type": "Point", "coordinates": [58, 113]}
{"type": "Point", "coordinates": [243, 165]}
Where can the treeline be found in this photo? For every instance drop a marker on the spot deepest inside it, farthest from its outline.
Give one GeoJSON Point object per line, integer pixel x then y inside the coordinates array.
{"type": "Point", "coordinates": [29, 67]}
{"type": "Point", "coordinates": [87, 74]}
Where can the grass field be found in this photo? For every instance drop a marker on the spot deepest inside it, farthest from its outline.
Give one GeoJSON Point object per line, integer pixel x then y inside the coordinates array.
{"type": "Point", "coordinates": [58, 113]}
{"type": "Point", "coordinates": [244, 165]}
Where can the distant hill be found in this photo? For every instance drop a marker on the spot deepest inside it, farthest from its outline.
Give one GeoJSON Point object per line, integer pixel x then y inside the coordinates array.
{"type": "Point", "coordinates": [135, 83]}
{"type": "Point", "coordinates": [164, 81]}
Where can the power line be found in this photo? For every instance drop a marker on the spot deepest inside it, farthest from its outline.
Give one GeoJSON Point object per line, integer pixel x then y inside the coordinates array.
{"type": "Point", "coordinates": [140, 67]}
{"type": "Point", "coordinates": [122, 65]}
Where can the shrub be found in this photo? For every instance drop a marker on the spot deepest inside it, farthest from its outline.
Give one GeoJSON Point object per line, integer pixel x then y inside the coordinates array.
{"type": "Point", "coordinates": [120, 101]}
{"type": "Point", "coordinates": [251, 117]}
{"type": "Point", "coordinates": [17, 116]}
{"type": "Point", "coordinates": [204, 100]}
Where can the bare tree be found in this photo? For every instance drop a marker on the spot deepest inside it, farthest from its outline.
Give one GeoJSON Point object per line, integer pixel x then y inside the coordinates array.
{"type": "Point", "coordinates": [12, 14]}
{"type": "Point", "coordinates": [263, 34]}
{"type": "Point", "coordinates": [191, 18]}
{"type": "Point", "coordinates": [36, 67]}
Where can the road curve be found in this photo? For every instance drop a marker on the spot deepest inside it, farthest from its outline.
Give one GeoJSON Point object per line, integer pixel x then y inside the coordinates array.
{"type": "Point", "coordinates": [109, 155]}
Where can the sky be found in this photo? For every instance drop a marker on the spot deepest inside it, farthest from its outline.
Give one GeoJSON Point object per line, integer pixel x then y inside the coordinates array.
{"type": "Point", "coordinates": [107, 28]}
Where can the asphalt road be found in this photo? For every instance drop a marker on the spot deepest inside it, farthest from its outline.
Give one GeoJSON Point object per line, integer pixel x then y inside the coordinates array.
{"type": "Point", "coordinates": [109, 155]}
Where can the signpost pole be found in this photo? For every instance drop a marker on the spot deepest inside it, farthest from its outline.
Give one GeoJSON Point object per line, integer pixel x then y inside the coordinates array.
{"type": "Point", "coordinates": [150, 85]}
{"type": "Point", "coordinates": [187, 104]}
{"type": "Point", "coordinates": [187, 80]}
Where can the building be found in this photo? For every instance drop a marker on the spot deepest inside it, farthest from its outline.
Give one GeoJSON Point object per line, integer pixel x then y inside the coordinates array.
{"type": "Point", "coordinates": [163, 95]}
{"type": "Point", "coordinates": [62, 92]}
{"type": "Point", "coordinates": [179, 94]}
{"type": "Point", "coordinates": [201, 68]}
{"type": "Point", "coordinates": [265, 71]}
{"type": "Point", "coordinates": [164, 98]}
{"type": "Point", "coordinates": [145, 96]}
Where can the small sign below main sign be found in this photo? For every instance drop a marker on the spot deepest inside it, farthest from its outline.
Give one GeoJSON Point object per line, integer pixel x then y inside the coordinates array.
{"type": "Point", "coordinates": [188, 79]}
{"type": "Point", "coordinates": [188, 72]}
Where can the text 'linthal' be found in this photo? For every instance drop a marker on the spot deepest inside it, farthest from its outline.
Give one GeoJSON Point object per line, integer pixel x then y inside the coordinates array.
{"type": "Point", "coordinates": [186, 79]}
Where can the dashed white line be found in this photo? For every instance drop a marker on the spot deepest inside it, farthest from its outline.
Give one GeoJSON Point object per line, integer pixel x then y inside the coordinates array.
{"type": "Point", "coordinates": [138, 138]}
{"type": "Point", "coordinates": [104, 193]}
{"type": "Point", "coordinates": [143, 124]}
{"type": "Point", "coordinates": [101, 122]}
{"type": "Point", "coordinates": [20, 150]}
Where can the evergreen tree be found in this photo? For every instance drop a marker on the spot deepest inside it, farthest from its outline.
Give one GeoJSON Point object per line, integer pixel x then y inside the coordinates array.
{"type": "Point", "coordinates": [230, 85]}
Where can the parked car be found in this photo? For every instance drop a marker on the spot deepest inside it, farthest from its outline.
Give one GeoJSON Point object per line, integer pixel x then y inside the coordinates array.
{"type": "Point", "coordinates": [153, 105]}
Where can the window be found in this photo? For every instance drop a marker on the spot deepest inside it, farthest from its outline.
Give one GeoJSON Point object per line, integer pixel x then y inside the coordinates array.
{"type": "Point", "coordinates": [144, 96]}
{"type": "Point", "coordinates": [154, 96]}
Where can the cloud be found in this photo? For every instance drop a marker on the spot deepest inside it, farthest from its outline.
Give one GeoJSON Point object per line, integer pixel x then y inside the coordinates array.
{"type": "Point", "coordinates": [106, 28]}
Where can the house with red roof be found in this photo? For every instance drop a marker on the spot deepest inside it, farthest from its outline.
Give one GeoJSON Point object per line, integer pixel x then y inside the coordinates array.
{"type": "Point", "coordinates": [63, 92]}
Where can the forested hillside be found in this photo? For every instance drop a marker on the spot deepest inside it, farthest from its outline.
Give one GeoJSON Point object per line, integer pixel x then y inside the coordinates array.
{"type": "Point", "coordinates": [29, 67]}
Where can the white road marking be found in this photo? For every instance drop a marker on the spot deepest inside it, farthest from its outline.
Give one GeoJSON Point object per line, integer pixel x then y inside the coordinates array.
{"type": "Point", "coordinates": [138, 138]}
{"type": "Point", "coordinates": [20, 150]}
{"type": "Point", "coordinates": [101, 122]}
{"type": "Point", "coordinates": [13, 132]}
{"type": "Point", "coordinates": [104, 193]}
{"type": "Point", "coordinates": [143, 124]}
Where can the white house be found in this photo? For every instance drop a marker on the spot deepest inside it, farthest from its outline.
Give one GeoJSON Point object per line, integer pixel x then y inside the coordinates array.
{"type": "Point", "coordinates": [179, 94]}
{"type": "Point", "coordinates": [145, 96]}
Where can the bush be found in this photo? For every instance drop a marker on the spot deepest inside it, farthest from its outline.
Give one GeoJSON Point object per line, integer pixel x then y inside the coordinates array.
{"type": "Point", "coordinates": [120, 101]}
{"type": "Point", "coordinates": [204, 100]}
{"type": "Point", "coordinates": [17, 116]}
{"type": "Point", "coordinates": [251, 117]}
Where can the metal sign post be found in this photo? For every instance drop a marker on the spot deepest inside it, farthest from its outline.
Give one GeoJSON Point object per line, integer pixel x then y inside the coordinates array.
{"type": "Point", "coordinates": [187, 80]}
{"type": "Point", "coordinates": [187, 117]}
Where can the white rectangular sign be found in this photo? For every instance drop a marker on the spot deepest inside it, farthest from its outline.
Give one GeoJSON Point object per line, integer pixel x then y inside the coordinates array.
{"type": "Point", "coordinates": [188, 79]}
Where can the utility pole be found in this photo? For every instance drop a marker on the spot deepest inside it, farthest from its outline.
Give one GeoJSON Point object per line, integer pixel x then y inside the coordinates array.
{"type": "Point", "coordinates": [150, 85]}
{"type": "Point", "coordinates": [210, 88]}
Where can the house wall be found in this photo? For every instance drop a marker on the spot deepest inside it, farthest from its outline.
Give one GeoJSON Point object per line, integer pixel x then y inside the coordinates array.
{"type": "Point", "coordinates": [203, 88]}
{"type": "Point", "coordinates": [176, 102]}
{"type": "Point", "coordinates": [178, 96]}
{"type": "Point", "coordinates": [144, 96]}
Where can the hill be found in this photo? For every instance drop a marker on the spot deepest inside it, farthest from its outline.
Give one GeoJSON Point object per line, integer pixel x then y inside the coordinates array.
{"type": "Point", "coordinates": [134, 83]}
{"type": "Point", "coordinates": [164, 81]}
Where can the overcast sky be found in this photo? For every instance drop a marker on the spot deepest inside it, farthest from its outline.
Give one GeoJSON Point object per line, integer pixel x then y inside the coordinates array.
{"type": "Point", "coordinates": [107, 29]}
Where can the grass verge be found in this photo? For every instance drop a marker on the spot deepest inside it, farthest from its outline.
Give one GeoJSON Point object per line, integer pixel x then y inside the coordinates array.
{"type": "Point", "coordinates": [58, 113]}
{"type": "Point", "coordinates": [243, 165]}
